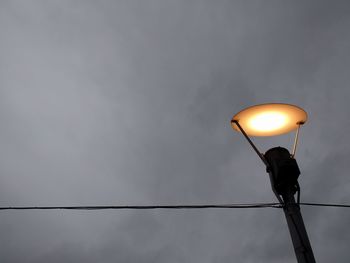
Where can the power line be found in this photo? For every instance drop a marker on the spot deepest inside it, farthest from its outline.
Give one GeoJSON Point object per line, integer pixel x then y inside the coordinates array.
{"type": "Point", "coordinates": [329, 205]}
{"type": "Point", "coordinates": [142, 207]}
{"type": "Point", "coordinates": [148, 207]}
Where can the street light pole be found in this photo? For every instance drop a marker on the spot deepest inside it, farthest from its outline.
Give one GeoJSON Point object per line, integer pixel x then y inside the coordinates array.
{"type": "Point", "coordinates": [301, 243]}
{"type": "Point", "coordinates": [284, 173]}
{"type": "Point", "coordinates": [275, 119]}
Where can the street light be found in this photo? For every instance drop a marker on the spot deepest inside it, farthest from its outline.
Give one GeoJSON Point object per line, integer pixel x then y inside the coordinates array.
{"type": "Point", "coordinates": [270, 120]}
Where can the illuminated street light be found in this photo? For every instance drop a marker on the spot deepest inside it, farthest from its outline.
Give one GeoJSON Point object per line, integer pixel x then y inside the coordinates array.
{"type": "Point", "coordinates": [270, 120]}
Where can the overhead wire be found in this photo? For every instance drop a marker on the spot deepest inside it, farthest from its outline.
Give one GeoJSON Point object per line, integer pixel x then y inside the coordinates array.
{"type": "Point", "coordinates": [329, 205]}
{"type": "Point", "coordinates": [142, 207]}
{"type": "Point", "coordinates": [148, 207]}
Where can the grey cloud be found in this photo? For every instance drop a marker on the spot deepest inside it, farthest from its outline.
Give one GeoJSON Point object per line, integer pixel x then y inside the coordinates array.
{"type": "Point", "coordinates": [129, 103]}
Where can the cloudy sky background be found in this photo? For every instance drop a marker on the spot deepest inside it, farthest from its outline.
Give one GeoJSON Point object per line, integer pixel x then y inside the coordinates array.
{"type": "Point", "coordinates": [129, 103]}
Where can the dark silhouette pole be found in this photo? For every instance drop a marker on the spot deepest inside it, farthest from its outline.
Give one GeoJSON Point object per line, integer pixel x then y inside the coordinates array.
{"type": "Point", "coordinates": [284, 173]}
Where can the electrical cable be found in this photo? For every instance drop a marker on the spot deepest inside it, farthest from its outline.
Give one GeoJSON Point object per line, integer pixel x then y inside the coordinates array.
{"type": "Point", "coordinates": [144, 207]}
{"type": "Point", "coordinates": [119, 207]}
{"type": "Point", "coordinates": [329, 205]}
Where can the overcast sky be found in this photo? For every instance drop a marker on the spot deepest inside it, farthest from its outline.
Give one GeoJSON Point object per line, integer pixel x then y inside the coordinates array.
{"type": "Point", "coordinates": [129, 103]}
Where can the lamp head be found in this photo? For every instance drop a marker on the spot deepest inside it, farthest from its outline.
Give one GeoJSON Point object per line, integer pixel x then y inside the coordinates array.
{"type": "Point", "coordinates": [269, 119]}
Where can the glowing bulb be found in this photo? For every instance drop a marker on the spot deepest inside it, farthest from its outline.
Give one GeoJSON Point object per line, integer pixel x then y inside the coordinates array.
{"type": "Point", "coordinates": [268, 121]}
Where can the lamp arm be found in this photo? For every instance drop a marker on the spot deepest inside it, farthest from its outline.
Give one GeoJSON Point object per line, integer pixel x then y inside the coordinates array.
{"type": "Point", "coordinates": [251, 143]}
{"type": "Point", "coordinates": [296, 139]}
{"type": "Point", "coordinates": [262, 157]}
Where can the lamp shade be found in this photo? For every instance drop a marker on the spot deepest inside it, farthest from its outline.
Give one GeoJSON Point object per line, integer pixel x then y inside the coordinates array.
{"type": "Point", "coordinates": [269, 119]}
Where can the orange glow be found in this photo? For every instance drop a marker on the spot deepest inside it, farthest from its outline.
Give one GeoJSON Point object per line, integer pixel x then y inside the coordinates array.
{"type": "Point", "coordinates": [270, 119]}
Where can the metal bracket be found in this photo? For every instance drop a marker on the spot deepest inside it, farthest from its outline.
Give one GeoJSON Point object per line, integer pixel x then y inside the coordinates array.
{"type": "Point", "coordinates": [251, 143]}
{"type": "Point", "coordinates": [262, 157]}
{"type": "Point", "coordinates": [296, 139]}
